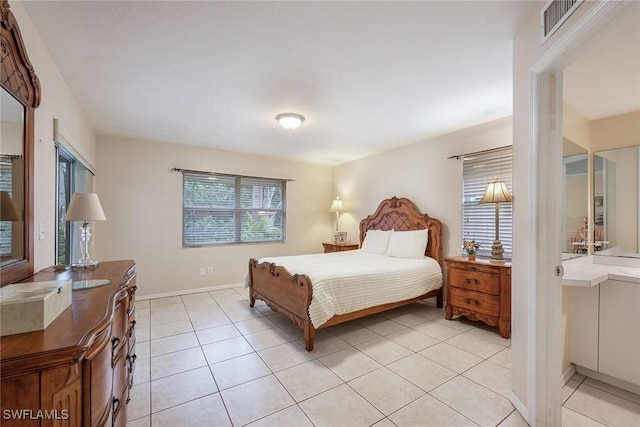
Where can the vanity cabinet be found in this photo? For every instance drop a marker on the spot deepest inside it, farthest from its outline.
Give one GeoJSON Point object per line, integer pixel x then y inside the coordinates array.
{"type": "Point", "coordinates": [619, 346]}
{"type": "Point", "coordinates": [603, 331]}
{"type": "Point", "coordinates": [79, 370]}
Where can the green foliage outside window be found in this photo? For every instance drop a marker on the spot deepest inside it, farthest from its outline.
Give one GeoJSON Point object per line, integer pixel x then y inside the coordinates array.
{"type": "Point", "coordinates": [224, 209]}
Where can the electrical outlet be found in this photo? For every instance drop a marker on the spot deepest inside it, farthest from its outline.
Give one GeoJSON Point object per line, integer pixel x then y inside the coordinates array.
{"type": "Point", "coordinates": [210, 270]}
{"type": "Point", "coordinates": [202, 271]}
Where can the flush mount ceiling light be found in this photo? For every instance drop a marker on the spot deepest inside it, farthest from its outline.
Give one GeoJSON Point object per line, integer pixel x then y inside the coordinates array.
{"type": "Point", "coordinates": [290, 120]}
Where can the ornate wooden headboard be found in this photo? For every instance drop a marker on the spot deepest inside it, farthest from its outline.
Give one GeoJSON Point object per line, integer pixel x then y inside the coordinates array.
{"type": "Point", "coordinates": [401, 214]}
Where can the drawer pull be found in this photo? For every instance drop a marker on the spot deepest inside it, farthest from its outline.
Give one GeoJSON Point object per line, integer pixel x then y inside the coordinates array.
{"type": "Point", "coordinates": [470, 267]}
{"type": "Point", "coordinates": [471, 301]}
{"type": "Point", "coordinates": [468, 281]}
{"type": "Point", "coordinates": [132, 327]}
{"type": "Point", "coordinates": [132, 362]}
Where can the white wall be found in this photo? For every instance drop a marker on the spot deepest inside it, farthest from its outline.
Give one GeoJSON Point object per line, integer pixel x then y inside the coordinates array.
{"type": "Point", "coordinates": [57, 102]}
{"type": "Point", "coordinates": [531, 346]}
{"type": "Point", "coordinates": [423, 173]}
{"type": "Point", "coordinates": [142, 200]}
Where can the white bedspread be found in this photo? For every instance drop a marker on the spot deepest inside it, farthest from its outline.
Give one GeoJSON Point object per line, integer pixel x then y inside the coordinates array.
{"type": "Point", "coordinates": [344, 282]}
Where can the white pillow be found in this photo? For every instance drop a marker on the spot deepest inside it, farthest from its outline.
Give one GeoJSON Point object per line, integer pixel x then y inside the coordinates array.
{"type": "Point", "coordinates": [376, 241]}
{"type": "Point", "coordinates": [408, 244]}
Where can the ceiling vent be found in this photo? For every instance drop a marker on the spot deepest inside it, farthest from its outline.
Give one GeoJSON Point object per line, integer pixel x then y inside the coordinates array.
{"type": "Point", "coordinates": [554, 13]}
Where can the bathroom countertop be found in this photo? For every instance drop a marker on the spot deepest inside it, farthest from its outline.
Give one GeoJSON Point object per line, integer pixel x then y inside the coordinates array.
{"type": "Point", "coordinates": [591, 271]}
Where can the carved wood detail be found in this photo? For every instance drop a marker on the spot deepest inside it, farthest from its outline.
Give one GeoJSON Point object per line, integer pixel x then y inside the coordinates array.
{"type": "Point", "coordinates": [401, 214]}
{"type": "Point", "coordinates": [78, 363]}
{"type": "Point", "coordinates": [481, 291]}
{"type": "Point", "coordinates": [17, 75]}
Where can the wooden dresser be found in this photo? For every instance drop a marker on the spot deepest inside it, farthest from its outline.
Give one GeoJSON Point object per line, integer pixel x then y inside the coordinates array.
{"type": "Point", "coordinates": [479, 290]}
{"type": "Point", "coordinates": [79, 370]}
{"type": "Point", "coordinates": [338, 247]}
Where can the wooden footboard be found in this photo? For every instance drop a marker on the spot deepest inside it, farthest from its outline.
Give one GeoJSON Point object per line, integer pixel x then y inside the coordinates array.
{"type": "Point", "coordinates": [291, 295]}
{"type": "Point", "coordinates": [285, 293]}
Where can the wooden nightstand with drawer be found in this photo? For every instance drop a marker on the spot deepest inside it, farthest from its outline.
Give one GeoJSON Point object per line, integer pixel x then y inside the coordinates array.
{"type": "Point", "coordinates": [338, 247]}
{"type": "Point", "coordinates": [479, 290]}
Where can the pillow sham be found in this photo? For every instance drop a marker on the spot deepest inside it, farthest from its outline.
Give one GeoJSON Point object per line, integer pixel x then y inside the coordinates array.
{"type": "Point", "coordinates": [408, 244]}
{"type": "Point", "coordinates": [376, 241]}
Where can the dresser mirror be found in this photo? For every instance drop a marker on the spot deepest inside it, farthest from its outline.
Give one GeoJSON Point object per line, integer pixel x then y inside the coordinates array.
{"type": "Point", "coordinates": [11, 180]}
{"type": "Point", "coordinates": [616, 196]}
{"type": "Point", "coordinates": [19, 96]}
{"type": "Point", "coordinates": [575, 163]}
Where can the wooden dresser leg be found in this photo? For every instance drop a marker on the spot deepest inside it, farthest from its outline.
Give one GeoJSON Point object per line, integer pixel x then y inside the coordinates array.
{"type": "Point", "coordinates": [505, 329]}
{"type": "Point", "coordinates": [448, 314]}
{"type": "Point", "coordinates": [252, 298]}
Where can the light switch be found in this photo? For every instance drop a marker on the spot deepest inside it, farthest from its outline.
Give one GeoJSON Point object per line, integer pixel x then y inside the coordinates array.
{"type": "Point", "coordinates": [41, 228]}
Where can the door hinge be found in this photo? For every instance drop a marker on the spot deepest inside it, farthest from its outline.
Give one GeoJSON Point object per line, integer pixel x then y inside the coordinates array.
{"type": "Point", "coordinates": [559, 271]}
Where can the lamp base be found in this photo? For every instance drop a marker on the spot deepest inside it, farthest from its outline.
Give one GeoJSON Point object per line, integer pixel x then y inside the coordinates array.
{"type": "Point", "coordinates": [496, 252]}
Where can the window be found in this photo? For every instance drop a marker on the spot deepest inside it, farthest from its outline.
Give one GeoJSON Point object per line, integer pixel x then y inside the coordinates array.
{"type": "Point", "coordinates": [65, 170]}
{"type": "Point", "coordinates": [223, 209]}
{"type": "Point", "coordinates": [478, 221]}
{"type": "Point", "coordinates": [6, 171]}
{"type": "Point", "coordinates": [72, 176]}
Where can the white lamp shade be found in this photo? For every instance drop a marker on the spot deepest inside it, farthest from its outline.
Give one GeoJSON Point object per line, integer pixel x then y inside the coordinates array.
{"type": "Point", "coordinates": [496, 193]}
{"type": "Point", "coordinates": [8, 210]}
{"type": "Point", "coordinates": [85, 207]}
{"type": "Point", "coordinates": [337, 205]}
{"type": "Point", "coordinates": [290, 120]}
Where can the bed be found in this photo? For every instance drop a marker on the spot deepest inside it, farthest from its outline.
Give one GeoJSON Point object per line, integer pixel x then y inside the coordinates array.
{"type": "Point", "coordinates": [291, 293]}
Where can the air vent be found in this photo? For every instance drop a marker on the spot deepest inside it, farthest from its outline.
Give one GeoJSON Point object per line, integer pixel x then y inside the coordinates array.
{"type": "Point", "coordinates": [554, 13]}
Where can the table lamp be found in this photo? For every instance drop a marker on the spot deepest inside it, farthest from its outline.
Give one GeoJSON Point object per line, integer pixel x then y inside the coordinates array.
{"type": "Point", "coordinates": [336, 207]}
{"type": "Point", "coordinates": [497, 193]}
{"type": "Point", "coordinates": [85, 207]}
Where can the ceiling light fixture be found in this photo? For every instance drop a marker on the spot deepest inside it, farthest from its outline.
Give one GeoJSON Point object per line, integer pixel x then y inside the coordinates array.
{"type": "Point", "coordinates": [290, 120]}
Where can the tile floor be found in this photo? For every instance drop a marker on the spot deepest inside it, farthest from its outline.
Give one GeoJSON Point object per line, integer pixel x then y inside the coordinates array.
{"type": "Point", "coordinates": [209, 359]}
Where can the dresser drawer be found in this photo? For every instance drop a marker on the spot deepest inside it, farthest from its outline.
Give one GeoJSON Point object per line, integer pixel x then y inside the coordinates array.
{"type": "Point", "coordinates": [480, 281]}
{"type": "Point", "coordinates": [475, 301]}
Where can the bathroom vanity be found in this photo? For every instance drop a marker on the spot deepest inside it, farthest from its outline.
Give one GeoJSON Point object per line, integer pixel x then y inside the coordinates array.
{"type": "Point", "coordinates": [603, 320]}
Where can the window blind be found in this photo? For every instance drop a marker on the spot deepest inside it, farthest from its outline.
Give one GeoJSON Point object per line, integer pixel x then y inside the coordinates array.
{"type": "Point", "coordinates": [5, 185]}
{"type": "Point", "coordinates": [478, 221]}
{"type": "Point", "coordinates": [225, 209]}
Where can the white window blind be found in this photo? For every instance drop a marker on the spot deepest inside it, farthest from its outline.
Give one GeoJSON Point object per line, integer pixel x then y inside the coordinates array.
{"type": "Point", "coordinates": [478, 221]}
{"type": "Point", "coordinates": [224, 209]}
{"type": "Point", "coordinates": [5, 185]}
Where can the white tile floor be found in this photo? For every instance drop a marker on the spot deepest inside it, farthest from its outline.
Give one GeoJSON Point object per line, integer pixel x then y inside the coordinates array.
{"type": "Point", "coordinates": [209, 359]}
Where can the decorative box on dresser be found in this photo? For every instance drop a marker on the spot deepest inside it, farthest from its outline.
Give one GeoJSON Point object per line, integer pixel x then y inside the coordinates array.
{"type": "Point", "coordinates": [338, 247]}
{"type": "Point", "coordinates": [79, 370]}
{"type": "Point", "coordinates": [479, 290]}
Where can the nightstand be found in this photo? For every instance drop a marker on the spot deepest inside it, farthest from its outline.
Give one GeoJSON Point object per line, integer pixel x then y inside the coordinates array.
{"type": "Point", "coordinates": [479, 290]}
{"type": "Point", "coordinates": [338, 247]}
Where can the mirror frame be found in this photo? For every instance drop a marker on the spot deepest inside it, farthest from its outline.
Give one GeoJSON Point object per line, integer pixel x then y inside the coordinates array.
{"type": "Point", "coordinates": [19, 79]}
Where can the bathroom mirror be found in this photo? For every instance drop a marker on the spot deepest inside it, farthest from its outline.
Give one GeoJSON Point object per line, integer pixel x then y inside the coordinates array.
{"type": "Point", "coordinates": [19, 96]}
{"type": "Point", "coordinates": [575, 190]}
{"type": "Point", "coordinates": [616, 195]}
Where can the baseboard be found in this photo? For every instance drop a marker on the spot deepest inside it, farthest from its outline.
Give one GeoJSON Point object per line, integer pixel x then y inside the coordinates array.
{"type": "Point", "coordinates": [570, 372]}
{"type": "Point", "coordinates": [189, 291]}
{"type": "Point", "coordinates": [616, 382]}
{"type": "Point", "coordinates": [520, 407]}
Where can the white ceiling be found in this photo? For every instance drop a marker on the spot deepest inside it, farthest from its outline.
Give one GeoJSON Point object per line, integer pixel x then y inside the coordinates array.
{"type": "Point", "coordinates": [368, 76]}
